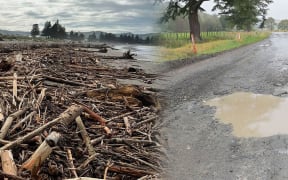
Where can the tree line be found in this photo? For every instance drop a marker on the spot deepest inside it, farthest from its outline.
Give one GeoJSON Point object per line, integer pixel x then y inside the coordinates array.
{"type": "Point", "coordinates": [242, 14]}
{"type": "Point", "coordinates": [57, 31]}
{"type": "Point", "coordinates": [213, 23]}
{"type": "Point", "coordinates": [125, 38]}
{"type": "Point", "coordinates": [122, 38]}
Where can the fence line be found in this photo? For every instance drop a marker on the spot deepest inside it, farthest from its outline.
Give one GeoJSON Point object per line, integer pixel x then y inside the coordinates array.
{"type": "Point", "coordinates": [171, 39]}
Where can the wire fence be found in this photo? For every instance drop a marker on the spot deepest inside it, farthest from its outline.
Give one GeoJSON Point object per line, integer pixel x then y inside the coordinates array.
{"type": "Point", "coordinates": [181, 39]}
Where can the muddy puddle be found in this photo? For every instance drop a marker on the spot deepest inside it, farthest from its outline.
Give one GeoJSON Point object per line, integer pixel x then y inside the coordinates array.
{"type": "Point", "coordinates": [252, 115]}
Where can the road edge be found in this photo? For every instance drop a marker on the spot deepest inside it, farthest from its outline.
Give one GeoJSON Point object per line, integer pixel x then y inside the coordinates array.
{"type": "Point", "coordinates": [176, 64]}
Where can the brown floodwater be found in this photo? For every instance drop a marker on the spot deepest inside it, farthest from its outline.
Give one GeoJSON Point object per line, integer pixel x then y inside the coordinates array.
{"type": "Point", "coordinates": [252, 115]}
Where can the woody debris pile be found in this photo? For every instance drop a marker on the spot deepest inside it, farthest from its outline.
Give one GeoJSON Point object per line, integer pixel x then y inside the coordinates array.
{"type": "Point", "coordinates": [64, 115]}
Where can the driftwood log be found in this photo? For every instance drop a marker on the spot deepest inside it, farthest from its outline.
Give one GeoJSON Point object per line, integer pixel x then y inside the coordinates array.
{"type": "Point", "coordinates": [8, 164]}
{"type": "Point", "coordinates": [42, 152]}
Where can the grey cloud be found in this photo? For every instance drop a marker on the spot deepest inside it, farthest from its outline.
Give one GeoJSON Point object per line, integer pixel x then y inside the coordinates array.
{"type": "Point", "coordinates": [36, 15]}
{"type": "Point", "coordinates": [137, 16]}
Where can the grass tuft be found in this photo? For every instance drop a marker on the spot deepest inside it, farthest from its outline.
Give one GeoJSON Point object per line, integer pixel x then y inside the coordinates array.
{"type": "Point", "coordinates": [212, 45]}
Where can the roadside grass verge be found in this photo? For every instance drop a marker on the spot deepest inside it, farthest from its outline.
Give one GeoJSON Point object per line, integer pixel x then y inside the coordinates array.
{"type": "Point", "coordinates": [212, 46]}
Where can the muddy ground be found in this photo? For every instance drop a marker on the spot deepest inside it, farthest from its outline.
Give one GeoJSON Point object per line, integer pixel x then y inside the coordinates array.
{"type": "Point", "coordinates": [201, 147]}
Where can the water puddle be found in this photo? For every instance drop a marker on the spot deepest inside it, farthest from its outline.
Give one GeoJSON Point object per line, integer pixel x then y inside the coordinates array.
{"type": "Point", "coordinates": [252, 115]}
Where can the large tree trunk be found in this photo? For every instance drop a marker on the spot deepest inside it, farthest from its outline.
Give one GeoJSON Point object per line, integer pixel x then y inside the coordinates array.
{"type": "Point", "coordinates": [194, 25]}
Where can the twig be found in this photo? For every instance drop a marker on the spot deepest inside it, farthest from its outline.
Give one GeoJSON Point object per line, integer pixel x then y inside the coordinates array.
{"type": "Point", "coordinates": [94, 115]}
{"type": "Point", "coordinates": [7, 124]}
{"type": "Point", "coordinates": [66, 117]}
{"type": "Point", "coordinates": [85, 136]}
{"type": "Point", "coordinates": [40, 98]}
{"type": "Point", "coordinates": [70, 160]}
{"type": "Point", "coordinates": [19, 78]}
{"type": "Point", "coordinates": [109, 164]}
{"type": "Point", "coordinates": [22, 121]}
{"type": "Point", "coordinates": [84, 178]}
{"type": "Point", "coordinates": [127, 125]}
{"type": "Point", "coordinates": [131, 171]}
{"type": "Point", "coordinates": [87, 161]}
{"type": "Point", "coordinates": [59, 80]}
{"type": "Point", "coordinates": [15, 89]}
{"type": "Point", "coordinates": [97, 140]}
{"type": "Point", "coordinates": [146, 121]}
{"type": "Point", "coordinates": [121, 140]}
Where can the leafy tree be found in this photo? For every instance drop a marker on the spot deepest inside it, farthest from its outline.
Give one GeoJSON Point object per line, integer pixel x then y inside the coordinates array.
{"type": "Point", "coordinates": [244, 14]}
{"type": "Point", "coordinates": [71, 35]}
{"type": "Point", "coordinates": [35, 30]}
{"type": "Point", "coordinates": [147, 40]}
{"type": "Point", "coordinates": [283, 25]}
{"type": "Point", "coordinates": [57, 31]}
{"type": "Point", "coordinates": [92, 37]}
{"type": "Point", "coordinates": [270, 23]}
{"type": "Point", "coordinates": [102, 36]}
{"type": "Point", "coordinates": [184, 8]}
{"type": "Point", "coordinates": [209, 23]}
{"type": "Point", "coordinates": [225, 23]}
{"type": "Point", "coordinates": [46, 30]}
{"type": "Point", "coordinates": [81, 37]}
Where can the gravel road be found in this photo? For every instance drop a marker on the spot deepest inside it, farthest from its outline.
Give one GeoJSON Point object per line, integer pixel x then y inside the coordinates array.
{"type": "Point", "coordinates": [200, 146]}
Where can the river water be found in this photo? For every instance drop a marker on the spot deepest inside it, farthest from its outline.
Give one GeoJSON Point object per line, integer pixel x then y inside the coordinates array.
{"type": "Point", "coordinates": [144, 52]}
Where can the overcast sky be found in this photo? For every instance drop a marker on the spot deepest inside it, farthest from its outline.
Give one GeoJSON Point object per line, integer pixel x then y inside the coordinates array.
{"type": "Point", "coordinates": [278, 9]}
{"type": "Point", "coordinates": [137, 16]}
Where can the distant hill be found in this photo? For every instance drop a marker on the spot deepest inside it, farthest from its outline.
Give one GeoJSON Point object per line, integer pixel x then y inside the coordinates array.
{"type": "Point", "coordinates": [19, 33]}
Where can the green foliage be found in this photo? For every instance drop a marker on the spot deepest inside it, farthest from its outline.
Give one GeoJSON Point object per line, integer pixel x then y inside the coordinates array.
{"type": "Point", "coordinates": [270, 23]}
{"type": "Point", "coordinates": [76, 36]}
{"type": "Point", "coordinates": [210, 23]}
{"type": "Point", "coordinates": [56, 31]}
{"type": "Point", "coordinates": [46, 30]}
{"type": "Point", "coordinates": [244, 14]}
{"type": "Point", "coordinates": [207, 22]}
{"type": "Point", "coordinates": [35, 30]}
{"type": "Point", "coordinates": [283, 25]}
{"type": "Point", "coordinates": [183, 8]}
{"type": "Point", "coordinates": [217, 42]}
{"type": "Point", "coordinates": [92, 37]}
{"type": "Point", "coordinates": [173, 40]}
{"type": "Point", "coordinates": [225, 23]}
{"type": "Point", "coordinates": [128, 38]}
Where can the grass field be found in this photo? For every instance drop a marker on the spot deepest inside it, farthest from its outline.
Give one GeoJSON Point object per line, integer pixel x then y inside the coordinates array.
{"type": "Point", "coordinates": [178, 45]}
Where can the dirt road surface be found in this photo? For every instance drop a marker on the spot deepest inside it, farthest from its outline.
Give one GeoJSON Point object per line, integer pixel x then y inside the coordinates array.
{"type": "Point", "coordinates": [200, 146]}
